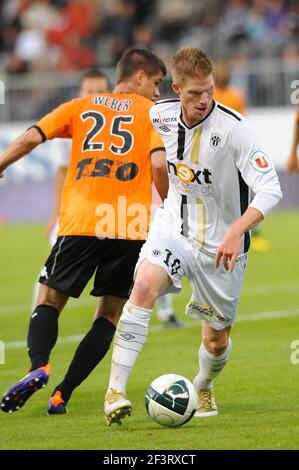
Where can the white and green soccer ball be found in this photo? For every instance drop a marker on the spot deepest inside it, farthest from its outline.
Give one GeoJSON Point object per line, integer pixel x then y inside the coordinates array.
{"type": "Point", "coordinates": [171, 400]}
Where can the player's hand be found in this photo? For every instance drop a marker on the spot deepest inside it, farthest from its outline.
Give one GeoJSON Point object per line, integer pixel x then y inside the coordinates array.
{"type": "Point", "coordinates": [1, 175]}
{"type": "Point", "coordinates": [292, 163]}
{"type": "Point", "coordinates": [228, 251]}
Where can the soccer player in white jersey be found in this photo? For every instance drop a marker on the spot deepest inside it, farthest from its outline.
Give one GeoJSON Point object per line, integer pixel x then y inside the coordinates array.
{"type": "Point", "coordinates": [203, 231]}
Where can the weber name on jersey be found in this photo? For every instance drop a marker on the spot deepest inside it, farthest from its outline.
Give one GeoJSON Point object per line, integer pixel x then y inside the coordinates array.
{"type": "Point", "coordinates": [214, 169]}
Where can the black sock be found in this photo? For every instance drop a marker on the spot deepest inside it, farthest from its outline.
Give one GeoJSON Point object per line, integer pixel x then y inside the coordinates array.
{"type": "Point", "coordinates": [89, 353]}
{"type": "Point", "coordinates": [42, 335]}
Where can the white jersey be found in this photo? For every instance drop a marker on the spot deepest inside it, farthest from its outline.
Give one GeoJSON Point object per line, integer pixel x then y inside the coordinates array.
{"type": "Point", "coordinates": [65, 153]}
{"type": "Point", "coordinates": [212, 167]}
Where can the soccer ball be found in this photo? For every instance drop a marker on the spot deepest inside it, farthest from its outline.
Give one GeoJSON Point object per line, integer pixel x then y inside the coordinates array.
{"type": "Point", "coordinates": [171, 400]}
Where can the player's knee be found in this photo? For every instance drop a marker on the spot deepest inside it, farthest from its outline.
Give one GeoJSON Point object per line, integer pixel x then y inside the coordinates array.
{"type": "Point", "coordinates": [47, 296]}
{"type": "Point", "coordinates": [217, 347]}
{"type": "Point", "coordinates": [49, 304]}
{"type": "Point", "coordinates": [144, 291]}
{"type": "Point", "coordinates": [51, 301]}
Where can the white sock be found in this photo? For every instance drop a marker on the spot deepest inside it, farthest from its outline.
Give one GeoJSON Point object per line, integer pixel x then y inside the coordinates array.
{"type": "Point", "coordinates": [164, 307]}
{"type": "Point", "coordinates": [210, 366]}
{"type": "Point", "coordinates": [130, 337]}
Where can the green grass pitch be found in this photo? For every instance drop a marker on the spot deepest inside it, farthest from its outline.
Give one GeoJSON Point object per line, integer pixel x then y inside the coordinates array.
{"type": "Point", "coordinates": [257, 393]}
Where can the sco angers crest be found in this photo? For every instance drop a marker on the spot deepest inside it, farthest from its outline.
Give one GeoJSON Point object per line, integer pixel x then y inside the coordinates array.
{"type": "Point", "coordinates": [215, 140]}
{"type": "Point", "coordinates": [260, 161]}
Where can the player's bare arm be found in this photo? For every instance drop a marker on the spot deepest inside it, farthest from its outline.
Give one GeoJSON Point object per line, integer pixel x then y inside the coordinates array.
{"type": "Point", "coordinates": [159, 171]}
{"type": "Point", "coordinates": [292, 162]}
{"type": "Point", "coordinates": [58, 187]}
{"type": "Point", "coordinates": [230, 246]}
{"type": "Point", "coordinates": [23, 145]}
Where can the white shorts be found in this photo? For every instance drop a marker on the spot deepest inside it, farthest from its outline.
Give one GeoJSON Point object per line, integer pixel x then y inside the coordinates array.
{"type": "Point", "coordinates": [215, 293]}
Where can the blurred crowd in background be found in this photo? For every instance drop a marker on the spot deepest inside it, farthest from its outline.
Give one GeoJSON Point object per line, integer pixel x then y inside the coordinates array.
{"type": "Point", "coordinates": [67, 35]}
{"type": "Point", "coordinates": [45, 45]}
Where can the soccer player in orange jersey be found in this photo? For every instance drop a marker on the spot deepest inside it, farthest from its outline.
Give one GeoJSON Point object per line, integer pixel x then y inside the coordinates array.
{"type": "Point", "coordinates": [104, 215]}
{"type": "Point", "coordinates": [225, 93]}
{"type": "Point", "coordinates": [92, 82]}
{"type": "Point", "coordinates": [95, 82]}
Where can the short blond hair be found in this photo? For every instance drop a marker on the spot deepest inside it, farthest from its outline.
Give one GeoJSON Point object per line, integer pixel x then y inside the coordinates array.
{"type": "Point", "coordinates": [190, 62]}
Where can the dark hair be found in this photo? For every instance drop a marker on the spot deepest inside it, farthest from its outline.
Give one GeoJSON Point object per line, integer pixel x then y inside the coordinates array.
{"type": "Point", "coordinates": [94, 73]}
{"type": "Point", "coordinates": [135, 59]}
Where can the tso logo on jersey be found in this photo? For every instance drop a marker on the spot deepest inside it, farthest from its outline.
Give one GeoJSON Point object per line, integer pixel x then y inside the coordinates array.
{"type": "Point", "coordinates": [260, 161]}
{"type": "Point", "coordinates": [215, 140]}
{"type": "Point", "coordinates": [106, 167]}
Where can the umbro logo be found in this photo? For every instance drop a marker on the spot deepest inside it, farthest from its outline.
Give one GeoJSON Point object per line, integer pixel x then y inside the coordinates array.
{"type": "Point", "coordinates": [164, 128]}
{"type": "Point", "coordinates": [127, 336]}
{"type": "Point", "coordinates": [156, 253]}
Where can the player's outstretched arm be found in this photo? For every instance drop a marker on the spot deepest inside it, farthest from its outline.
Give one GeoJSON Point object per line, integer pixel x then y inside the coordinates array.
{"type": "Point", "coordinates": [230, 246]}
{"type": "Point", "coordinates": [23, 145]}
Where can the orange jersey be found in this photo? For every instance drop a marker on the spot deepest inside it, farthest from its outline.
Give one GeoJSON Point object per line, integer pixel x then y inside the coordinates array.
{"type": "Point", "coordinates": [231, 97]}
{"type": "Point", "coordinates": [107, 190]}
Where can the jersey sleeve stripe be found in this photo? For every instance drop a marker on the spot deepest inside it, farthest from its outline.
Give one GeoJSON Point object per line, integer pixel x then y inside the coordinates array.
{"type": "Point", "coordinates": [43, 135]}
{"type": "Point", "coordinates": [157, 149]}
